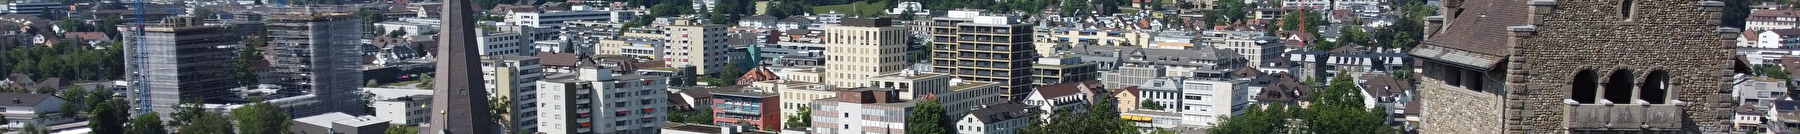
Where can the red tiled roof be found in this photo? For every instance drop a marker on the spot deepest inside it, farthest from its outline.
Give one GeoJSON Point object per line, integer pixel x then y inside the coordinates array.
{"type": "Point", "coordinates": [1481, 26]}
{"type": "Point", "coordinates": [558, 59]}
{"type": "Point", "coordinates": [1059, 90]}
{"type": "Point", "coordinates": [758, 74]}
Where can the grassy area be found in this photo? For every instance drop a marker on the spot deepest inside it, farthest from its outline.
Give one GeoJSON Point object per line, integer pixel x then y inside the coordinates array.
{"type": "Point", "coordinates": [867, 9]}
{"type": "Point", "coordinates": [404, 83]}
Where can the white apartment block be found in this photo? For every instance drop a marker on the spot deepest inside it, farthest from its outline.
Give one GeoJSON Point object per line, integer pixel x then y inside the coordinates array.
{"type": "Point", "coordinates": [1200, 101]}
{"type": "Point", "coordinates": [860, 48]}
{"type": "Point", "coordinates": [693, 43]}
{"type": "Point", "coordinates": [1255, 46]}
{"type": "Point", "coordinates": [594, 100]}
{"type": "Point", "coordinates": [514, 77]}
{"type": "Point", "coordinates": [554, 19]}
{"type": "Point", "coordinates": [912, 83]}
{"type": "Point", "coordinates": [1771, 19]}
{"type": "Point", "coordinates": [965, 95]}
{"type": "Point", "coordinates": [515, 41]}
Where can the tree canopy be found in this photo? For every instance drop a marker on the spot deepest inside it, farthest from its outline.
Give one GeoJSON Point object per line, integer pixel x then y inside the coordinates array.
{"type": "Point", "coordinates": [927, 117]}
{"type": "Point", "coordinates": [261, 118]}
{"type": "Point", "coordinates": [147, 123]}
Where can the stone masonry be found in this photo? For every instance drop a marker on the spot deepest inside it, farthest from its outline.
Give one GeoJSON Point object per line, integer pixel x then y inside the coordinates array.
{"type": "Point", "coordinates": [1658, 44]}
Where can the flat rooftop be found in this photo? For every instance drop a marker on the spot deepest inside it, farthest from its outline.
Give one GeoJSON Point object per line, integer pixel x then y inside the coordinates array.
{"type": "Point", "coordinates": [965, 85]}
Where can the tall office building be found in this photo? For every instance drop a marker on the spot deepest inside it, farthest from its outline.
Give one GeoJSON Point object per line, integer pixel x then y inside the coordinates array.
{"type": "Point", "coordinates": [318, 53]}
{"type": "Point", "coordinates": [515, 78]}
{"type": "Point", "coordinates": [860, 48]}
{"type": "Point", "coordinates": [973, 46]}
{"type": "Point", "coordinates": [594, 101]}
{"type": "Point", "coordinates": [182, 60]}
{"type": "Point", "coordinates": [698, 44]}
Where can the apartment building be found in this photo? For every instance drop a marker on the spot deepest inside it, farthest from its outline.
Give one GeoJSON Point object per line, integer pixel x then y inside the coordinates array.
{"type": "Point", "coordinates": [570, 101]}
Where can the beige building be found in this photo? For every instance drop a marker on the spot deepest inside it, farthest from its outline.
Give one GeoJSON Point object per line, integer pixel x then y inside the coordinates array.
{"type": "Point", "coordinates": [860, 48]}
{"type": "Point", "coordinates": [514, 78]}
{"type": "Point", "coordinates": [912, 83]}
{"type": "Point", "coordinates": [694, 43]}
{"type": "Point", "coordinates": [796, 94]}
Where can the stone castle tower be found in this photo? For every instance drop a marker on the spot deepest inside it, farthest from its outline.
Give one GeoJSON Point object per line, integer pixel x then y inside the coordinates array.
{"type": "Point", "coordinates": [1577, 66]}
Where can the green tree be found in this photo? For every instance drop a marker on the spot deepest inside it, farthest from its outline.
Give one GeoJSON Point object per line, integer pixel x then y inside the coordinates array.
{"type": "Point", "coordinates": [802, 119]}
{"type": "Point", "coordinates": [209, 123]}
{"type": "Point", "coordinates": [1339, 109]}
{"type": "Point", "coordinates": [397, 33]}
{"type": "Point", "coordinates": [261, 118]}
{"type": "Point", "coordinates": [33, 128]}
{"type": "Point", "coordinates": [500, 107]}
{"type": "Point", "coordinates": [109, 117]}
{"type": "Point", "coordinates": [1774, 72]}
{"type": "Point", "coordinates": [402, 129]}
{"type": "Point", "coordinates": [186, 112]}
{"type": "Point", "coordinates": [927, 117]}
{"type": "Point", "coordinates": [1227, 11]}
{"type": "Point", "coordinates": [74, 93]}
{"type": "Point", "coordinates": [1151, 105]}
{"type": "Point", "coordinates": [147, 123]}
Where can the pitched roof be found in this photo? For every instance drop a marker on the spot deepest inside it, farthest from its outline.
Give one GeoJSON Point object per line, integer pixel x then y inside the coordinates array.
{"type": "Point", "coordinates": [1480, 26]}
{"type": "Point", "coordinates": [999, 112]}
{"type": "Point", "coordinates": [22, 99]}
{"type": "Point", "coordinates": [1383, 85]}
{"type": "Point", "coordinates": [1059, 90]}
{"type": "Point", "coordinates": [1785, 32]}
{"type": "Point", "coordinates": [760, 17]}
{"type": "Point", "coordinates": [1133, 90]}
{"type": "Point", "coordinates": [758, 74]}
{"type": "Point", "coordinates": [86, 35]}
{"type": "Point", "coordinates": [797, 19]}
{"type": "Point", "coordinates": [559, 59]}
{"type": "Point", "coordinates": [1749, 35]}
{"type": "Point", "coordinates": [1280, 88]}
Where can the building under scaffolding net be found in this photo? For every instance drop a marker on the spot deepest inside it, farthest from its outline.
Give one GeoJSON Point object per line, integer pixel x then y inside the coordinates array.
{"type": "Point", "coordinates": [318, 53]}
{"type": "Point", "coordinates": [190, 62]}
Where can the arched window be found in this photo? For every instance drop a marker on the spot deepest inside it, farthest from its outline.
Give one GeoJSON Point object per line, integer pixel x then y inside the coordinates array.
{"type": "Point", "coordinates": [1619, 87]}
{"type": "Point", "coordinates": [1584, 87]}
{"type": "Point", "coordinates": [1655, 88]}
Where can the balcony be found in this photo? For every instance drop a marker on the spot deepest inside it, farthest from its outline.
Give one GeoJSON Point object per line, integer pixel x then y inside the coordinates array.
{"type": "Point", "coordinates": [1625, 116]}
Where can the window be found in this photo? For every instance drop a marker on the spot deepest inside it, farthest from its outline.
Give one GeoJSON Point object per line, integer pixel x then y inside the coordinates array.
{"type": "Point", "coordinates": [1655, 88]}
{"type": "Point", "coordinates": [1584, 87]}
{"type": "Point", "coordinates": [1619, 87]}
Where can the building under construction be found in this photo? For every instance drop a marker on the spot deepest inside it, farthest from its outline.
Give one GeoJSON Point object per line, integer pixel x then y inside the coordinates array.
{"type": "Point", "coordinates": [318, 53]}
{"type": "Point", "coordinates": [183, 60]}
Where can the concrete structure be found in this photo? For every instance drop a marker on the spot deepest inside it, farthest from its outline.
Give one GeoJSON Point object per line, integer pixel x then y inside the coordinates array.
{"type": "Point", "coordinates": [861, 110]}
{"type": "Point", "coordinates": [41, 109]}
{"type": "Point", "coordinates": [977, 47]}
{"type": "Point", "coordinates": [965, 96]}
{"type": "Point", "coordinates": [763, 21]}
{"type": "Point", "coordinates": [1548, 79]}
{"type": "Point", "coordinates": [1065, 97]}
{"type": "Point", "coordinates": [338, 123]}
{"type": "Point", "coordinates": [1759, 91]}
{"type": "Point", "coordinates": [32, 8]}
{"type": "Point", "coordinates": [594, 100]}
{"type": "Point", "coordinates": [682, 128]}
{"type": "Point", "coordinates": [460, 109]}
{"type": "Point", "coordinates": [320, 53]}
{"type": "Point", "coordinates": [1004, 118]}
{"type": "Point", "coordinates": [1201, 101]}
{"type": "Point", "coordinates": [514, 78]}
{"type": "Point", "coordinates": [747, 106]}
{"type": "Point", "coordinates": [1173, 62]}
{"type": "Point", "coordinates": [182, 60]}
{"type": "Point", "coordinates": [1256, 46]}
{"type": "Point", "coordinates": [1063, 69]}
{"type": "Point", "coordinates": [1132, 75]}
{"type": "Point", "coordinates": [693, 43]}
{"type": "Point", "coordinates": [796, 94]}
{"type": "Point", "coordinates": [407, 110]}
{"type": "Point", "coordinates": [1152, 120]}
{"type": "Point", "coordinates": [911, 83]}
{"type": "Point", "coordinates": [411, 28]}
{"type": "Point", "coordinates": [1776, 38]}
{"type": "Point", "coordinates": [861, 48]}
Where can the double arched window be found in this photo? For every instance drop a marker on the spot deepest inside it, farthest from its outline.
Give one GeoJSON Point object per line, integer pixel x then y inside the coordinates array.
{"type": "Point", "coordinates": [1619, 87]}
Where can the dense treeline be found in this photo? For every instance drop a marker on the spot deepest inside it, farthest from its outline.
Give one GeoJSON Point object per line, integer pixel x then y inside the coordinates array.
{"type": "Point", "coordinates": [67, 59]}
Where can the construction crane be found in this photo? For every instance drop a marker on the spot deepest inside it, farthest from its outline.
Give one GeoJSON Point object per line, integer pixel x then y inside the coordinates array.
{"type": "Point", "coordinates": [139, 56]}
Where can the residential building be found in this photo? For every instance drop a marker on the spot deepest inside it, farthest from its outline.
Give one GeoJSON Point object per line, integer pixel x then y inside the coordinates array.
{"type": "Point", "coordinates": [694, 43]}
{"type": "Point", "coordinates": [1152, 120]}
{"type": "Point", "coordinates": [977, 47]}
{"type": "Point", "coordinates": [411, 28]}
{"type": "Point", "coordinates": [338, 123]}
{"type": "Point", "coordinates": [406, 110]}
{"type": "Point", "coordinates": [1771, 19]}
{"type": "Point", "coordinates": [506, 40]}
{"type": "Point", "coordinates": [177, 60]}
{"type": "Point", "coordinates": [1255, 46]}
{"type": "Point", "coordinates": [1759, 91]}
{"type": "Point", "coordinates": [861, 110]}
{"type": "Point", "coordinates": [514, 79]}
{"type": "Point", "coordinates": [1202, 101]}
{"type": "Point", "coordinates": [965, 95]}
{"type": "Point", "coordinates": [1129, 98]}
{"type": "Point", "coordinates": [1778, 38]}
{"type": "Point", "coordinates": [555, 19]}
{"type": "Point", "coordinates": [1181, 63]}
{"type": "Point", "coordinates": [747, 106]}
{"type": "Point", "coordinates": [1063, 69]}
{"type": "Point", "coordinates": [1748, 119]}
{"type": "Point", "coordinates": [1065, 97]}
{"type": "Point", "coordinates": [1113, 37]}
{"type": "Point", "coordinates": [761, 21]}
{"type": "Point", "coordinates": [40, 109]}
{"type": "Point", "coordinates": [860, 48]}
{"type": "Point", "coordinates": [691, 98]}
{"type": "Point", "coordinates": [32, 8]}
{"type": "Point", "coordinates": [794, 22]}
{"type": "Point", "coordinates": [1467, 81]}
{"type": "Point", "coordinates": [320, 54]}
{"type": "Point", "coordinates": [569, 101]}
{"type": "Point", "coordinates": [1132, 75]}
{"type": "Point", "coordinates": [1006, 118]}
{"type": "Point", "coordinates": [912, 84]}
{"type": "Point", "coordinates": [796, 94]}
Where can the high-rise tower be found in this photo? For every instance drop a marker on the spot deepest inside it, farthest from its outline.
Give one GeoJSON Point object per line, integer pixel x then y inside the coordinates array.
{"type": "Point", "coordinates": [460, 103]}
